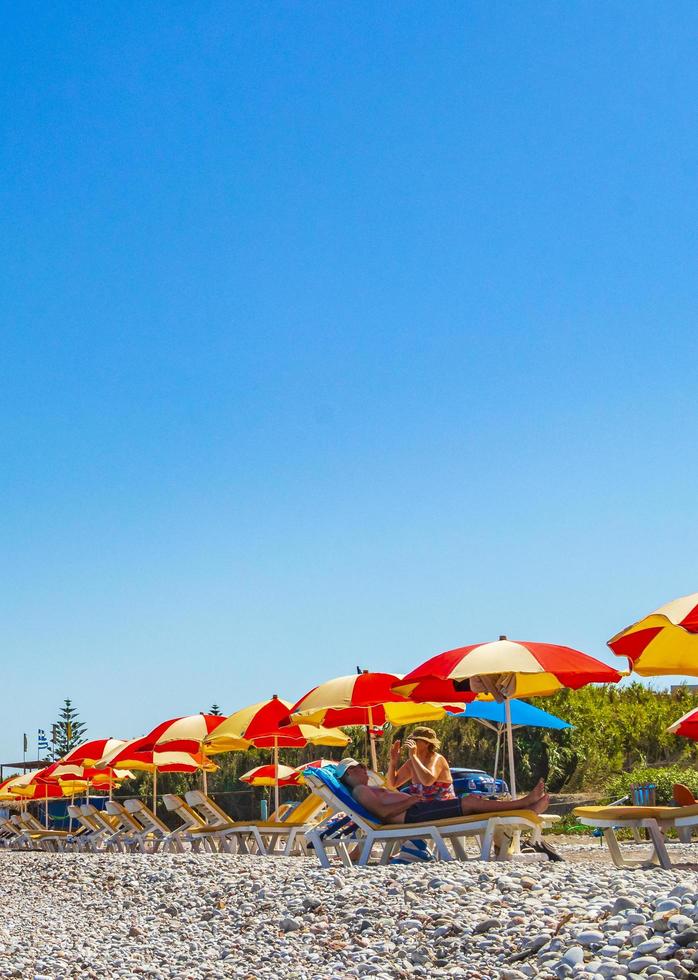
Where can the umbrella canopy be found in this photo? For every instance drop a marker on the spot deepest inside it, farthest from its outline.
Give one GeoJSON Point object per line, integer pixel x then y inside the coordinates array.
{"type": "Point", "coordinates": [6, 790]}
{"type": "Point", "coordinates": [76, 777]}
{"type": "Point", "coordinates": [185, 734]}
{"type": "Point", "coordinates": [90, 752]}
{"type": "Point", "coordinates": [265, 725]}
{"type": "Point", "coordinates": [133, 755]}
{"type": "Point", "coordinates": [533, 669]}
{"type": "Point", "coordinates": [363, 699]}
{"type": "Point", "coordinates": [522, 715]}
{"type": "Point", "coordinates": [59, 780]}
{"type": "Point", "coordinates": [267, 776]}
{"type": "Point", "coordinates": [264, 775]}
{"type": "Point", "coordinates": [686, 726]}
{"type": "Point", "coordinates": [367, 699]}
{"type": "Point", "coordinates": [665, 642]}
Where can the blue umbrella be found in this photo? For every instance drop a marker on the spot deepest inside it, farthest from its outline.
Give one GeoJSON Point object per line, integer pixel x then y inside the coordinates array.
{"type": "Point", "coordinates": [493, 715]}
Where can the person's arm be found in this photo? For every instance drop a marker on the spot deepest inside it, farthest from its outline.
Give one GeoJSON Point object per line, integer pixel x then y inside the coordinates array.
{"type": "Point", "coordinates": [393, 771]}
{"type": "Point", "coordinates": [396, 779]}
{"type": "Point", "coordinates": [421, 773]}
{"type": "Point", "coordinates": [384, 811]}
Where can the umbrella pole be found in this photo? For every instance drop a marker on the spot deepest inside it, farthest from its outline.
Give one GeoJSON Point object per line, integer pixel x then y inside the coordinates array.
{"type": "Point", "coordinates": [510, 744]}
{"type": "Point", "coordinates": [372, 741]}
{"type": "Point", "coordinates": [204, 776]}
{"type": "Point", "coordinates": [155, 791]}
{"type": "Point", "coordinates": [46, 811]}
{"type": "Point", "coordinates": [70, 816]}
{"type": "Point", "coordinates": [496, 753]}
{"type": "Point", "coordinates": [276, 776]}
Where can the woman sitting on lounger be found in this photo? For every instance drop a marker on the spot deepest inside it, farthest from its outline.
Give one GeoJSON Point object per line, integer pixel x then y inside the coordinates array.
{"type": "Point", "coordinates": [426, 771]}
{"type": "Point", "coordinates": [391, 806]}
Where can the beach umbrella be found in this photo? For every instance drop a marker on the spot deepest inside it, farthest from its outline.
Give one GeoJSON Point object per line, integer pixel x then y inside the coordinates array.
{"type": "Point", "coordinates": [6, 790]}
{"type": "Point", "coordinates": [665, 642]}
{"type": "Point", "coordinates": [87, 753]}
{"type": "Point", "coordinates": [265, 725]}
{"type": "Point", "coordinates": [492, 715]}
{"type": "Point", "coordinates": [59, 780]}
{"type": "Point", "coordinates": [366, 698]}
{"type": "Point", "coordinates": [185, 734]}
{"type": "Point", "coordinates": [687, 725]}
{"type": "Point", "coordinates": [507, 669]}
{"type": "Point", "coordinates": [41, 785]}
{"type": "Point", "coordinates": [266, 776]}
{"type": "Point", "coordinates": [141, 755]}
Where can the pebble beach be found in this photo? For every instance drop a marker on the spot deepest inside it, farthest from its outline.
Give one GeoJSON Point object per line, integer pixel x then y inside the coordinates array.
{"type": "Point", "coordinates": [213, 916]}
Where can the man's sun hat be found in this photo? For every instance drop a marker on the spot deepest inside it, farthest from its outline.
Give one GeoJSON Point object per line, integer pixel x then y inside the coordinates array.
{"type": "Point", "coordinates": [426, 735]}
{"type": "Point", "coordinates": [341, 767]}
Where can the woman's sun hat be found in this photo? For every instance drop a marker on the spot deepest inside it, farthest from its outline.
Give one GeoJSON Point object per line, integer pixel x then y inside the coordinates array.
{"type": "Point", "coordinates": [425, 734]}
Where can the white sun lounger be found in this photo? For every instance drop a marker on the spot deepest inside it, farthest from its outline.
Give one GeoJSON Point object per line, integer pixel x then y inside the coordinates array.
{"type": "Point", "coordinates": [489, 829]}
{"type": "Point", "coordinates": [656, 820]}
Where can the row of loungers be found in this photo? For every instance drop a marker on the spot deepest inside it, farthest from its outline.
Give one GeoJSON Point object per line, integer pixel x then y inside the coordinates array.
{"type": "Point", "coordinates": [307, 827]}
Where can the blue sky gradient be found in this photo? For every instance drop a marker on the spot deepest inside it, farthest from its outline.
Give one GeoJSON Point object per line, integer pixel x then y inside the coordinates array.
{"type": "Point", "coordinates": [336, 335]}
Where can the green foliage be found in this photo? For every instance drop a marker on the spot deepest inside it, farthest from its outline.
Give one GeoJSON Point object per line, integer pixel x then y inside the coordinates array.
{"type": "Point", "coordinates": [215, 710]}
{"type": "Point", "coordinates": [69, 731]}
{"type": "Point", "coordinates": [663, 779]}
{"type": "Point", "coordinates": [615, 728]}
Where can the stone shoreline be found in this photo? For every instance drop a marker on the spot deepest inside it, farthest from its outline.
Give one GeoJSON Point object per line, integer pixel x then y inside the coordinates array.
{"type": "Point", "coordinates": [216, 916]}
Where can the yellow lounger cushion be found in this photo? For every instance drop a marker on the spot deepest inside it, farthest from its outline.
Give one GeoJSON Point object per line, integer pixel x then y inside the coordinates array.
{"type": "Point", "coordinates": [471, 818]}
{"type": "Point", "coordinates": [622, 813]}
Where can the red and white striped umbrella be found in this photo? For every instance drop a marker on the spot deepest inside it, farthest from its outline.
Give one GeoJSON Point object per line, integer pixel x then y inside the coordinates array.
{"type": "Point", "coordinates": [265, 725]}
{"type": "Point", "coordinates": [687, 726]}
{"type": "Point", "coordinates": [526, 670]}
{"type": "Point", "coordinates": [267, 776]}
{"type": "Point", "coordinates": [507, 669]}
{"type": "Point", "coordinates": [665, 642]}
{"type": "Point", "coordinates": [90, 752]}
{"type": "Point", "coordinates": [185, 734]}
{"type": "Point", "coordinates": [366, 699]}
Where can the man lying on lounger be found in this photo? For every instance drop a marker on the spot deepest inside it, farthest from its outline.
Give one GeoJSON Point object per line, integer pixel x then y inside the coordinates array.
{"type": "Point", "coordinates": [393, 807]}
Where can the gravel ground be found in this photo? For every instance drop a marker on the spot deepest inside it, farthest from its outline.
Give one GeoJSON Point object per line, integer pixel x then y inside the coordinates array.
{"type": "Point", "coordinates": [196, 916]}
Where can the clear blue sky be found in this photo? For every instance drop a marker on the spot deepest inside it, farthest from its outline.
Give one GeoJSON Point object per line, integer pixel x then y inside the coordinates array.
{"type": "Point", "coordinates": [336, 334]}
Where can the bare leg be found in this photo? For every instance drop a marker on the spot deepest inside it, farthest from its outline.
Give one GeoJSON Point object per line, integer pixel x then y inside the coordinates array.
{"type": "Point", "coordinates": [537, 801]}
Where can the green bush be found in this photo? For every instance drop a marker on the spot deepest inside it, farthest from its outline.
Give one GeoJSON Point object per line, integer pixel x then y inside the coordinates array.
{"type": "Point", "coordinates": [663, 779]}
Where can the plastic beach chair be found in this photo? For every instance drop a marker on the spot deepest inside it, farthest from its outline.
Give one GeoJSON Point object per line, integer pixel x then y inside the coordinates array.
{"type": "Point", "coordinates": [488, 829]}
{"type": "Point", "coordinates": [159, 831]}
{"type": "Point", "coordinates": [192, 827]}
{"type": "Point", "coordinates": [656, 820]}
{"type": "Point", "coordinates": [269, 837]}
{"type": "Point", "coordinates": [132, 833]}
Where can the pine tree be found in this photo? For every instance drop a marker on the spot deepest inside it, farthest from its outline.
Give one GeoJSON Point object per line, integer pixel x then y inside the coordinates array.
{"type": "Point", "coordinates": [214, 710]}
{"type": "Point", "coordinates": [68, 731]}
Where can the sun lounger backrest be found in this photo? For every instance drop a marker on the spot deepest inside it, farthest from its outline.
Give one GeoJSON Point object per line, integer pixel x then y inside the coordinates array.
{"type": "Point", "coordinates": [127, 819]}
{"type": "Point", "coordinates": [206, 807]}
{"type": "Point", "coordinates": [83, 819]}
{"type": "Point", "coordinates": [140, 811]}
{"type": "Point", "coordinates": [106, 820]}
{"type": "Point", "coordinates": [326, 776]}
{"type": "Point", "coordinates": [306, 810]}
{"type": "Point", "coordinates": [189, 817]}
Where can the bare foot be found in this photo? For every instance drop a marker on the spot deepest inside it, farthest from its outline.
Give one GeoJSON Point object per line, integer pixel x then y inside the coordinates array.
{"type": "Point", "coordinates": [541, 804]}
{"type": "Point", "coordinates": [536, 793]}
